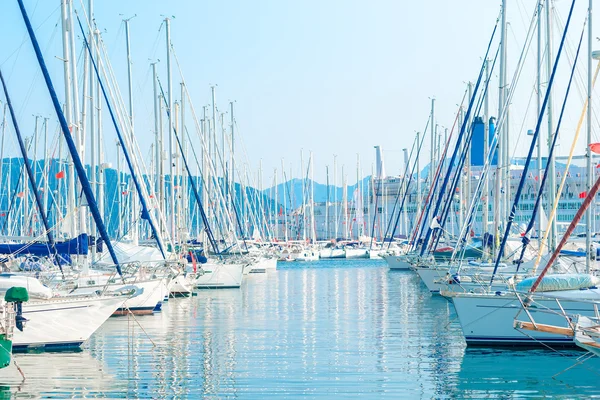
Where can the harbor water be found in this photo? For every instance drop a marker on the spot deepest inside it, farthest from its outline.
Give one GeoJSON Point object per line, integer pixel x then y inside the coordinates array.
{"type": "Point", "coordinates": [328, 329]}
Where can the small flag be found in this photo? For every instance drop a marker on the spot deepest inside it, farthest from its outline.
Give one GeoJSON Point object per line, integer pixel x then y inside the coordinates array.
{"type": "Point", "coordinates": [60, 175]}
{"type": "Point", "coordinates": [21, 194]}
{"type": "Point", "coordinates": [582, 195]}
{"type": "Point", "coordinates": [595, 147]}
{"type": "Point", "coordinates": [124, 193]}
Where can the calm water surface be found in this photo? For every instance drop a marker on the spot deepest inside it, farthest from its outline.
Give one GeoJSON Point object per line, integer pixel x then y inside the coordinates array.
{"type": "Point", "coordinates": [324, 329]}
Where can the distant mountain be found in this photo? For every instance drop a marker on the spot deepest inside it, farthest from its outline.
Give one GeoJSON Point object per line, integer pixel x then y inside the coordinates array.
{"type": "Point", "coordinates": [293, 191]}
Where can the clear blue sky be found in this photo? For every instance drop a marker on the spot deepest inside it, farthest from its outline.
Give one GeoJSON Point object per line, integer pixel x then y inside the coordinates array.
{"type": "Point", "coordinates": [331, 76]}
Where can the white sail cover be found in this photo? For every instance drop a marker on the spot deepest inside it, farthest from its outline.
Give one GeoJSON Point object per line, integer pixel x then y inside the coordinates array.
{"type": "Point", "coordinates": [127, 252]}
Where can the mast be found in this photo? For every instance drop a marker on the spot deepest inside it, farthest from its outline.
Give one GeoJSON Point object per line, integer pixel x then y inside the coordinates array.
{"type": "Point", "coordinates": [486, 149]}
{"type": "Point", "coordinates": [285, 221]}
{"type": "Point", "coordinates": [68, 111]}
{"type": "Point", "coordinates": [120, 192]}
{"type": "Point", "coordinates": [92, 129]}
{"type": "Point", "coordinates": [276, 206]}
{"type": "Point", "coordinates": [134, 204]}
{"type": "Point", "coordinates": [232, 159]}
{"type": "Point", "coordinates": [539, 108]}
{"type": "Point", "coordinates": [551, 164]}
{"type": "Point", "coordinates": [312, 199]}
{"type": "Point", "coordinates": [100, 139]}
{"type": "Point", "coordinates": [419, 202]}
{"type": "Point", "coordinates": [499, 196]}
{"type": "Point", "coordinates": [303, 184]}
{"type": "Point", "coordinates": [171, 202]}
{"type": "Point", "coordinates": [405, 180]}
{"type": "Point", "coordinates": [432, 158]}
{"type": "Point", "coordinates": [327, 204]}
{"type": "Point", "coordinates": [590, 171]}
{"type": "Point", "coordinates": [335, 205]}
{"type": "Point", "coordinates": [158, 164]}
{"type": "Point", "coordinates": [345, 205]}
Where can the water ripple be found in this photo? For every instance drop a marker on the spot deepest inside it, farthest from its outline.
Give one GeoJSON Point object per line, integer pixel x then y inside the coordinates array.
{"type": "Point", "coordinates": [324, 329]}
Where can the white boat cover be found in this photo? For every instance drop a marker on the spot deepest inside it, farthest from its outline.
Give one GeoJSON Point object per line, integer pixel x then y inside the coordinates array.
{"type": "Point", "coordinates": [127, 252]}
{"type": "Point", "coordinates": [34, 287]}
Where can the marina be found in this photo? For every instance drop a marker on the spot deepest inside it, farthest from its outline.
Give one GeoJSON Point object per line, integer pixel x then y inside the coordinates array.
{"type": "Point", "coordinates": [239, 206]}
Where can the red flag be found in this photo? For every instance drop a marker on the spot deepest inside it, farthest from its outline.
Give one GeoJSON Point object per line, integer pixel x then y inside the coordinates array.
{"type": "Point", "coordinates": [60, 175]}
{"type": "Point", "coordinates": [595, 147]}
{"type": "Point", "coordinates": [21, 194]}
{"type": "Point", "coordinates": [582, 195]}
{"type": "Point", "coordinates": [3, 215]}
{"type": "Point", "coordinates": [124, 193]}
{"type": "Point", "coordinates": [193, 261]}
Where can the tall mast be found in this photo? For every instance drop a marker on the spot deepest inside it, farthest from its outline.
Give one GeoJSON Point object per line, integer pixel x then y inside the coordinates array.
{"type": "Point", "coordinates": [101, 180]}
{"type": "Point", "coordinates": [170, 132]}
{"type": "Point", "coordinates": [345, 201]}
{"type": "Point", "coordinates": [232, 159]}
{"type": "Point", "coordinates": [327, 204]}
{"type": "Point", "coordinates": [590, 171]}
{"type": "Point", "coordinates": [486, 149]}
{"type": "Point", "coordinates": [432, 158]}
{"type": "Point", "coordinates": [551, 164]}
{"type": "Point", "coordinates": [539, 108]}
{"type": "Point", "coordinates": [499, 196]}
{"type": "Point", "coordinates": [158, 164]}
{"type": "Point", "coordinates": [68, 111]}
{"type": "Point", "coordinates": [183, 196]}
{"type": "Point", "coordinates": [134, 203]}
{"type": "Point", "coordinates": [419, 203]}
{"type": "Point", "coordinates": [285, 221]}
{"type": "Point", "coordinates": [303, 183]}
{"type": "Point", "coordinates": [92, 130]}
{"type": "Point", "coordinates": [276, 207]}
{"type": "Point", "coordinates": [335, 205]}
{"type": "Point", "coordinates": [312, 200]}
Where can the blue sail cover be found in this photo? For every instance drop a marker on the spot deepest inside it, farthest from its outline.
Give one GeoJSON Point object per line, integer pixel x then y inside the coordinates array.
{"type": "Point", "coordinates": [78, 245]}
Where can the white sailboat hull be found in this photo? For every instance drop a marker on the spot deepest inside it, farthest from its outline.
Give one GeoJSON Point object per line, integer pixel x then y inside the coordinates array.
{"type": "Point", "coordinates": [146, 303]}
{"type": "Point", "coordinates": [309, 255]}
{"type": "Point", "coordinates": [332, 253]}
{"type": "Point", "coordinates": [397, 262]}
{"type": "Point", "coordinates": [63, 323]}
{"type": "Point", "coordinates": [181, 286]}
{"type": "Point", "coordinates": [488, 320]}
{"type": "Point", "coordinates": [220, 276]}
{"type": "Point", "coordinates": [262, 265]}
{"type": "Point", "coordinates": [356, 253]}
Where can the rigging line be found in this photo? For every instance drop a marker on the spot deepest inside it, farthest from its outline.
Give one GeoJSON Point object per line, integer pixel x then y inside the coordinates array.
{"type": "Point", "coordinates": [418, 230]}
{"type": "Point", "coordinates": [193, 184]}
{"type": "Point", "coordinates": [68, 138]}
{"type": "Point", "coordinates": [565, 174]}
{"type": "Point", "coordinates": [462, 160]}
{"type": "Point", "coordinates": [410, 178]}
{"type": "Point", "coordinates": [19, 47]}
{"type": "Point", "coordinates": [502, 117]}
{"type": "Point", "coordinates": [145, 211]}
{"type": "Point", "coordinates": [550, 154]}
{"type": "Point", "coordinates": [532, 147]}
